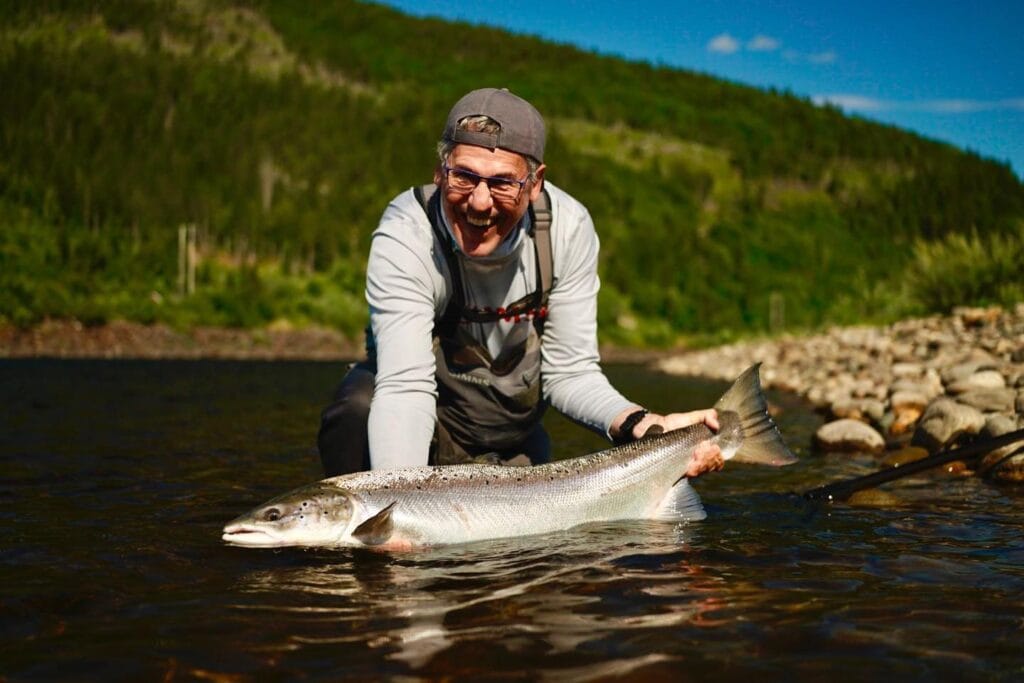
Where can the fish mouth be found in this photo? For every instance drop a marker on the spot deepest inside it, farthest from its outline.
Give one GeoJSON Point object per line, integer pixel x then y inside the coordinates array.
{"type": "Point", "coordinates": [239, 534]}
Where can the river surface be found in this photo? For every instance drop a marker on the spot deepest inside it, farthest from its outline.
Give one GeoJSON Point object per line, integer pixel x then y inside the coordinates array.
{"type": "Point", "coordinates": [118, 476]}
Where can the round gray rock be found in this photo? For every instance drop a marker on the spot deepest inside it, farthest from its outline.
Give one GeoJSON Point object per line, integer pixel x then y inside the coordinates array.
{"type": "Point", "coordinates": [848, 436]}
{"type": "Point", "coordinates": [985, 379]}
{"type": "Point", "coordinates": [944, 421]}
{"type": "Point", "coordinates": [1006, 463]}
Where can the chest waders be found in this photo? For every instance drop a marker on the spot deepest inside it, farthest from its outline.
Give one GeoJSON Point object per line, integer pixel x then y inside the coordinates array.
{"type": "Point", "coordinates": [490, 404]}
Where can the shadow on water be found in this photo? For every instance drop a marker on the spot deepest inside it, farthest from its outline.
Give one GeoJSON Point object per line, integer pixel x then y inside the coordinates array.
{"type": "Point", "coordinates": [117, 477]}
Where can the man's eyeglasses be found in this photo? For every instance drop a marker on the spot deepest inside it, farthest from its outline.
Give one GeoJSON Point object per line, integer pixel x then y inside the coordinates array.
{"type": "Point", "coordinates": [502, 189]}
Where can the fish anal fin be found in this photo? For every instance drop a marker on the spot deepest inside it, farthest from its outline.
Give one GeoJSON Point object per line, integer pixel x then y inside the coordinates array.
{"type": "Point", "coordinates": [680, 504]}
{"type": "Point", "coordinates": [377, 529]}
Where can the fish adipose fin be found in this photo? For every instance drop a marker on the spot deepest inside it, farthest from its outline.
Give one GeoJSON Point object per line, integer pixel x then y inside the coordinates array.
{"type": "Point", "coordinates": [748, 433]}
{"type": "Point", "coordinates": [680, 504]}
{"type": "Point", "coordinates": [377, 529]}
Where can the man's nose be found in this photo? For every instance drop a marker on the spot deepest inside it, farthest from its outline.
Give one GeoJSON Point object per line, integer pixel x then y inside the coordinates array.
{"type": "Point", "coordinates": [480, 198]}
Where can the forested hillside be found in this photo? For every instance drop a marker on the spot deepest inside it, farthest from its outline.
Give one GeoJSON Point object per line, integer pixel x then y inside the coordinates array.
{"type": "Point", "coordinates": [214, 162]}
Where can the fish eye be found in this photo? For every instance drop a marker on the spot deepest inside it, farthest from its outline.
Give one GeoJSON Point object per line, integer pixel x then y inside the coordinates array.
{"type": "Point", "coordinates": [272, 515]}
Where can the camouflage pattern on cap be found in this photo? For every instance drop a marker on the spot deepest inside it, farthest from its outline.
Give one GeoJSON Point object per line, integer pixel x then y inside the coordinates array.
{"type": "Point", "coordinates": [522, 127]}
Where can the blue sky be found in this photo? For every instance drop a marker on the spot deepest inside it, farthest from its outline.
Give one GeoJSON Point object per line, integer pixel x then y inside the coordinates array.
{"type": "Point", "coordinates": [952, 71]}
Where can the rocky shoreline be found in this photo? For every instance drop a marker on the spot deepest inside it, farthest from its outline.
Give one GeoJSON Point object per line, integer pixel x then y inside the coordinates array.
{"type": "Point", "coordinates": [901, 391]}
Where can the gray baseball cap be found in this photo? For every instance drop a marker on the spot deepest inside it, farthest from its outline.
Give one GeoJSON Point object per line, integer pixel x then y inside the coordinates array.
{"type": "Point", "coordinates": [522, 127]}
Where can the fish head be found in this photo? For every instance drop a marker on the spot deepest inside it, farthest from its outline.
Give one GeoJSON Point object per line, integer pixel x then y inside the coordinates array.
{"type": "Point", "coordinates": [316, 515]}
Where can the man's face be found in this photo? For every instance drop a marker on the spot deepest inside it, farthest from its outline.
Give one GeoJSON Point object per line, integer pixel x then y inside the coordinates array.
{"type": "Point", "coordinates": [479, 220]}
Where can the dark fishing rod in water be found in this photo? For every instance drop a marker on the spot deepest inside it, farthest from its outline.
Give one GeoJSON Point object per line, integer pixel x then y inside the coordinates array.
{"type": "Point", "coordinates": [841, 490]}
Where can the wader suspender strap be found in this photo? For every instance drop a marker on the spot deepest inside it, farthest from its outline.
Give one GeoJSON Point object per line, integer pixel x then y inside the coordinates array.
{"type": "Point", "coordinates": [540, 222]}
{"type": "Point", "coordinates": [540, 215]}
{"type": "Point", "coordinates": [431, 203]}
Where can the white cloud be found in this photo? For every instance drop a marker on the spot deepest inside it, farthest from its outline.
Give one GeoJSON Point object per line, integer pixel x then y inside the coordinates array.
{"type": "Point", "coordinates": [956, 106]}
{"type": "Point", "coordinates": [723, 43]}
{"type": "Point", "coordinates": [853, 102]}
{"type": "Point", "coordinates": [970, 105]}
{"type": "Point", "coordinates": [827, 57]}
{"type": "Point", "coordinates": [727, 44]}
{"type": "Point", "coordinates": [762, 43]}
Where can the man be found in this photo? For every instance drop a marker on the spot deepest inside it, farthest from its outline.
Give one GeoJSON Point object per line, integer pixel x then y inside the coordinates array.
{"type": "Point", "coordinates": [483, 299]}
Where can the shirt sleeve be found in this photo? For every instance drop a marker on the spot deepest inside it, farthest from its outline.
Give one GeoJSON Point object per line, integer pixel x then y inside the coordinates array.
{"type": "Point", "coordinates": [573, 381]}
{"type": "Point", "coordinates": [400, 291]}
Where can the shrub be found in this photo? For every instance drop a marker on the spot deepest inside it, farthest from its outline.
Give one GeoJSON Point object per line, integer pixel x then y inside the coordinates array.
{"type": "Point", "coordinates": [968, 269]}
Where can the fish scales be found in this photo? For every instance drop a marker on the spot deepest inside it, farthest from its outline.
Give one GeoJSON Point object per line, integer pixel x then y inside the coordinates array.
{"type": "Point", "coordinates": [422, 506]}
{"type": "Point", "coordinates": [453, 504]}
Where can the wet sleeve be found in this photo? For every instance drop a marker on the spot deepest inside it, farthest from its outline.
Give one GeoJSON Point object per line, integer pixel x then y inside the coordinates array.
{"type": "Point", "coordinates": [573, 381]}
{"type": "Point", "coordinates": [400, 293]}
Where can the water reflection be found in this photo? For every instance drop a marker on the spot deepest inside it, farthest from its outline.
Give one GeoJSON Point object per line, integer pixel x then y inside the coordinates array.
{"type": "Point", "coordinates": [562, 590]}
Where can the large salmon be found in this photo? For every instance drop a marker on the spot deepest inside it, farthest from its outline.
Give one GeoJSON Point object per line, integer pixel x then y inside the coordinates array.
{"type": "Point", "coordinates": [420, 506]}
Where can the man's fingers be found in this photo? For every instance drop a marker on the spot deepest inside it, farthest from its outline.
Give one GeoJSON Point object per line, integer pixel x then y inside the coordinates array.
{"type": "Point", "coordinates": [707, 457]}
{"type": "Point", "coordinates": [681, 420]}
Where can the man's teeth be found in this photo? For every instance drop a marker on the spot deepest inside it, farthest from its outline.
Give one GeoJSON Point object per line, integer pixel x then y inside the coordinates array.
{"type": "Point", "coordinates": [478, 222]}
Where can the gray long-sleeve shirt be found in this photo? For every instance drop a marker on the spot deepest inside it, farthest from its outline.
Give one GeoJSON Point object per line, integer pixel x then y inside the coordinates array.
{"type": "Point", "coordinates": [408, 287]}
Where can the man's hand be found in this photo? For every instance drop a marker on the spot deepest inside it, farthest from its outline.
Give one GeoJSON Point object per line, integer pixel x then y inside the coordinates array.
{"type": "Point", "coordinates": [706, 457]}
{"type": "Point", "coordinates": [680, 420]}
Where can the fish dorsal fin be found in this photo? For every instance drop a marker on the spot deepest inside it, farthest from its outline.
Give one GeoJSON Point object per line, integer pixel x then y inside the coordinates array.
{"type": "Point", "coordinates": [376, 529]}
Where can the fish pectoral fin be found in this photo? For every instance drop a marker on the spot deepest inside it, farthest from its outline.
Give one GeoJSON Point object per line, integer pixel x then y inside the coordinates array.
{"type": "Point", "coordinates": [377, 529]}
{"type": "Point", "coordinates": [680, 504]}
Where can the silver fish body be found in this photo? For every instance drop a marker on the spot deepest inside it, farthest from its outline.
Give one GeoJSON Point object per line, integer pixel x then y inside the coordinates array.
{"type": "Point", "coordinates": [425, 506]}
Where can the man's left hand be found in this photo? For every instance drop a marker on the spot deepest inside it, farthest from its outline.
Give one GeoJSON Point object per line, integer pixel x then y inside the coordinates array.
{"type": "Point", "coordinates": [706, 456]}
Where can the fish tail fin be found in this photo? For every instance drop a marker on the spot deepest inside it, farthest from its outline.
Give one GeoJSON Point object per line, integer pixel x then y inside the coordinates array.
{"type": "Point", "coordinates": [748, 433]}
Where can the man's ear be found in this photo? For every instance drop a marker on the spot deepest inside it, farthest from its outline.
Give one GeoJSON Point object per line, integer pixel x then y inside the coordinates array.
{"type": "Point", "coordinates": [535, 190]}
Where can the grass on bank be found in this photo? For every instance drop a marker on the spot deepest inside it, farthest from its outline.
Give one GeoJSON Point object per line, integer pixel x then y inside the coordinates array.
{"type": "Point", "coordinates": [50, 273]}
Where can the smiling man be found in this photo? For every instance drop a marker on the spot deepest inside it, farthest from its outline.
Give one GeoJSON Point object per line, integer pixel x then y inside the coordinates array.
{"type": "Point", "coordinates": [482, 290]}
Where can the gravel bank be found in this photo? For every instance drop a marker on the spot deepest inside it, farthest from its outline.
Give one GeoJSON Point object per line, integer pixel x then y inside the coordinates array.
{"type": "Point", "coordinates": [119, 339]}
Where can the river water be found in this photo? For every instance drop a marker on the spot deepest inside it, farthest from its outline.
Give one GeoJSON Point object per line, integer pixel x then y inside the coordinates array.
{"type": "Point", "coordinates": [118, 476]}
